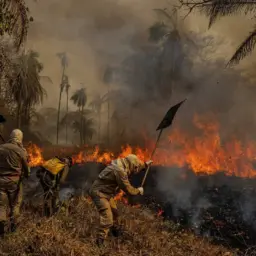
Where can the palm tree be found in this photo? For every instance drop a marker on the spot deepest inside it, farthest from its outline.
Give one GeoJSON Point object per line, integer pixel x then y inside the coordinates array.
{"type": "Point", "coordinates": [168, 34]}
{"type": "Point", "coordinates": [26, 89]}
{"type": "Point", "coordinates": [8, 62]}
{"type": "Point", "coordinates": [215, 9]}
{"type": "Point", "coordinates": [96, 105]}
{"type": "Point", "coordinates": [13, 32]}
{"type": "Point", "coordinates": [74, 119]}
{"type": "Point", "coordinates": [64, 78]}
{"type": "Point", "coordinates": [14, 20]}
{"type": "Point", "coordinates": [67, 92]}
{"type": "Point", "coordinates": [79, 98]}
{"type": "Point", "coordinates": [88, 129]}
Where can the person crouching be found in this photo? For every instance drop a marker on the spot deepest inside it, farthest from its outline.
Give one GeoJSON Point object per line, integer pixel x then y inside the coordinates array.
{"type": "Point", "coordinates": [51, 175]}
{"type": "Point", "coordinates": [110, 180]}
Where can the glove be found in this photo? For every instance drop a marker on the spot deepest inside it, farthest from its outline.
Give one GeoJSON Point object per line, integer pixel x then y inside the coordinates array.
{"type": "Point", "coordinates": [141, 189]}
{"type": "Point", "coordinates": [149, 162]}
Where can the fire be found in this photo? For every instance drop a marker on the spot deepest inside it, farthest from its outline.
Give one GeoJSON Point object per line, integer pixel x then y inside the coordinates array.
{"type": "Point", "coordinates": [205, 152]}
{"type": "Point", "coordinates": [120, 197]}
{"type": "Point", "coordinates": [35, 155]}
{"type": "Point", "coordinates": [160, 212]}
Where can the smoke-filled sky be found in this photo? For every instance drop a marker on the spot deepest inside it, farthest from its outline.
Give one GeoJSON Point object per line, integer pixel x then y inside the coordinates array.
{"type": "Point", "coordinates": [99, 33]}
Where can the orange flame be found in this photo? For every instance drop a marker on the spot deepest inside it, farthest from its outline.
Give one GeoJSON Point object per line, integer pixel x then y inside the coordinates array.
{"type": "Point", "coordinates": [35, 155]}
{"type": "Point", "coordinates": [120, 197]}
{"type": "Point", "coordinates": [204, 152]}
{"type": "Point", "coordinates": [160, 212]}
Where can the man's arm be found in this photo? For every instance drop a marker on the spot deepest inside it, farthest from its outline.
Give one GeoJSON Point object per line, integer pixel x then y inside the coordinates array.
{"type": "Point", "coordinates": [64, 174]}
{"type": "Point", "coordinates": [124, 184]}
{"type": "Point", "coordinates": [25, 167]}
{"type": "Point", "coordinates": [24, 164]}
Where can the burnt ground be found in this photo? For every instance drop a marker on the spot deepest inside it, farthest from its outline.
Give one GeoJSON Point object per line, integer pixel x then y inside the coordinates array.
{"type": "Point", "coordinates": [218, 207]}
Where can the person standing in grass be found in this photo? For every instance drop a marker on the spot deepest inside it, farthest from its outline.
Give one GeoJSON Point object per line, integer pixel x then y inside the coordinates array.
{"type": "Point", "coordinates": [13, 167]}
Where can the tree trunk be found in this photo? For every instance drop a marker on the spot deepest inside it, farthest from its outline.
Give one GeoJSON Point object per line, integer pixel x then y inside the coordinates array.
{"type": "Point", "coordinates": [58, 118]}
{"type": "Point", "coordinates": [19, 115]}
{"type": "Point", "coordinates": [82, 126]}
{"type": "Point", "coordinates": [108, 129]}
{"type": "Point", "coordinates": [80, 130]}
{"type": "Point", "coordinates": [66, 122]}
{"type": "Point", "coordinates": [99, 125]}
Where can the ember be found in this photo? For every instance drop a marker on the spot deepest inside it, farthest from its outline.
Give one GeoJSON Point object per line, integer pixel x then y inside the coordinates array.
{"type": "Point", "coordinates": [121, 197]}
{"type": "Point", "coordinates": [160, 212]}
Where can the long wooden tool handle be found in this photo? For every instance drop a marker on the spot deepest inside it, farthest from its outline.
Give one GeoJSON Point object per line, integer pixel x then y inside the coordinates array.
{"type": "Point", "coordinates": [153, 152]}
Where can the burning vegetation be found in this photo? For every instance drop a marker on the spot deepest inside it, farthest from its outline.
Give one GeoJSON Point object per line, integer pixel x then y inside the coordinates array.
{"type": "Point", "coordinates": [220, 203]}
{"type": "Point", "coordinates": [202, 151]}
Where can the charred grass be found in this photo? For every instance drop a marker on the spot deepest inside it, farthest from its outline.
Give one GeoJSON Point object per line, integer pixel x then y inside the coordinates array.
{"type": "Point", "coordinates": [72, 232]}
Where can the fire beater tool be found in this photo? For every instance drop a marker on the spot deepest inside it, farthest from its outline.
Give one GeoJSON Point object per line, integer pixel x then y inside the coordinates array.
{"type": "Point", "coordinates": [166, 122]}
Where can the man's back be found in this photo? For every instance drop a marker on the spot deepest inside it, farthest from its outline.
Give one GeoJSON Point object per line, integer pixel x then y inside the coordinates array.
{"type": "Point", "coordinates": [11, 156]}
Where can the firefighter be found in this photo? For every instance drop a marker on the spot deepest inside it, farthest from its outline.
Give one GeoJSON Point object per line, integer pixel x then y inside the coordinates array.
{"type": "Point", "coordinates": [52, 174]}
{"type": "Point", "coordinates": [13, 167]}
{"type": "Point", "coordinates": [113, 178]}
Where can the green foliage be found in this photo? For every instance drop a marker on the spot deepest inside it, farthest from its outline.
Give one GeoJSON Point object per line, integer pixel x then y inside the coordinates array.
{"type": "Point", "coordinates": [88, 129]}
{"type": "Point", "coordinates": [72, 116]}
{"type": "Point", "coordinates": [26, 89]}
{"type": "Point", "coordinates": [14, 20]}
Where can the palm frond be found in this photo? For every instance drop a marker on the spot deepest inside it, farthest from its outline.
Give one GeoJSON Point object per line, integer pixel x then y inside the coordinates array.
{"type": "Point", "coordinates": [26, 87]}
{"type": "Point", "coordinates": [72, 116]}
{"type": "Point", "coordinates": [244, 49]}
{"type": "Point", "coordinates": [15, 20]}
{"type": "Point", "coordinates": [218, 8]}
{"type": "Point", "coordinates": [79, 97]}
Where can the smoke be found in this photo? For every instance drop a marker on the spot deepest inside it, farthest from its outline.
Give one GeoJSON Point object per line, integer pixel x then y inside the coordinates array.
{"type": "Point", "coordinates": [117, 36]}
{"type": "Point", "coordinates": [92, 36]}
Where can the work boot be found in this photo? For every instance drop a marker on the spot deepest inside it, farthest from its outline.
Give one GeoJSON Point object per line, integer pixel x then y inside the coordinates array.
{"type": "Point", "coordinates": [100, 242]}
{"type": "Point", "coordinates": [2, 229]}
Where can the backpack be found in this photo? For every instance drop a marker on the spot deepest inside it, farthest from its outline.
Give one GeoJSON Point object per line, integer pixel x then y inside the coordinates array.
{"type": "Point", "coordinates": [54, 165]}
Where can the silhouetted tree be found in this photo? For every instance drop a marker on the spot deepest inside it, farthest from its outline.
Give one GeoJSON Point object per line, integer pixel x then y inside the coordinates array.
{"type": "Point", "coordinates": [96, 105]}
{"type": "Point", "coordinates": [26, 88]}
{"type": "Point", "coordinates": [64, 80]}
{"type": "Point", "coordinates": [79, 98]}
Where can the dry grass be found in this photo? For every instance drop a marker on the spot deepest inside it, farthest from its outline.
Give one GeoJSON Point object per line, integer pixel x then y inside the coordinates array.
{"type": "Point", "coordinates": [73, 233]}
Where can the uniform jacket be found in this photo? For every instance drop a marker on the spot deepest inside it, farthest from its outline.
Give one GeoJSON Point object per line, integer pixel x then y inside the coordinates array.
{"type": "Point", "coordinates": [115, 177]}
{"type": "Point", "coordinates": [13, 161]}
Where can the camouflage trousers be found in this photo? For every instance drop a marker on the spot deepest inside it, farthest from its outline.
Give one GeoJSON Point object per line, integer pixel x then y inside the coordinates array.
{"type": "Point", "coordinates": [10, 200]}
{"type": "Point", "coordinates": [108, 215]}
